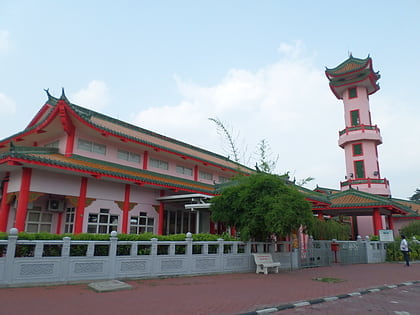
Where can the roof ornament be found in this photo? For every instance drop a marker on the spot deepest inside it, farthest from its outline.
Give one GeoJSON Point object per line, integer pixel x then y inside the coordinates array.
{"type": "Point", "coordinates": [63, 96]}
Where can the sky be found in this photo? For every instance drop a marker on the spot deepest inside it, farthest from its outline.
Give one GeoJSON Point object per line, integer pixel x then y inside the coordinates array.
{"type": "Point", "coordinates": [257, 66]}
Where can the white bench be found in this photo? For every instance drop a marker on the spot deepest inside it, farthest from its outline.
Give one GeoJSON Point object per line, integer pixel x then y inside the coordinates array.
{"type": "Point", "coordinates": [265, 261]}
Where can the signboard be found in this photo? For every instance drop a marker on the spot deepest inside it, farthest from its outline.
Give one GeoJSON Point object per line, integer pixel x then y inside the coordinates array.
{"type": "Point", "coordinates": [386, 235]}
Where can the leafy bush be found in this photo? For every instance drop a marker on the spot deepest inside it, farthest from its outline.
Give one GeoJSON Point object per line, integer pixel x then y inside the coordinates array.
{"type": "Point", "coordinates": [330, 229]}
{"type": "Point", "coordinates": [412, 229]}
{"type": "Point", "coordinates": [393, 252]}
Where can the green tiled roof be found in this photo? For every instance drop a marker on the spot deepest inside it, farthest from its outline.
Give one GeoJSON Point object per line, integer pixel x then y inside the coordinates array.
{"type": "Point", "coordinates": [98, 167]}
{"type": "Point", "coordinates": [350, 65]}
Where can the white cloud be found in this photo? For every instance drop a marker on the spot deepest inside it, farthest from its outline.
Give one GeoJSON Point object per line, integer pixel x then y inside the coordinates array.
{"type": "Point", "coordinates": [7, 105]}
{"type": "Point", "coordinates": [95, 96]}
{"type": "Point", "coordinates": [289, 104]}
{"type": "Point", "coordinates": [5, 42]}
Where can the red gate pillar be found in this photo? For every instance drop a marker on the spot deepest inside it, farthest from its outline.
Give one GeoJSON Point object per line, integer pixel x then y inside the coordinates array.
{"type": "Point", "coordinates": [377, 221]}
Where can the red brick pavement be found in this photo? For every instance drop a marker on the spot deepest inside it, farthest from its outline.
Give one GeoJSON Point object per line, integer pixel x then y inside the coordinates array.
{"type": "Point", "coordinates": [226, 294]}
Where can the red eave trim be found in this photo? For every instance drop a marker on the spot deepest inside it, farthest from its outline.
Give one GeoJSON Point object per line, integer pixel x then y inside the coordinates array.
{"type": "Point", "coordinates": [38, 116]}
{"type": "Point", "coordinates": [98, 175]}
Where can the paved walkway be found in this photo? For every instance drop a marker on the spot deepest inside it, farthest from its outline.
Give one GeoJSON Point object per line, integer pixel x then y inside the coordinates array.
{"type": "Point", "coordinates": [226, 294]}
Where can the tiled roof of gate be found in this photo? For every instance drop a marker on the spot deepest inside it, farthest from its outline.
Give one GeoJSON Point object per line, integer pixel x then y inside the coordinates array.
{"type": "Point", "coordinates": [357, 198]}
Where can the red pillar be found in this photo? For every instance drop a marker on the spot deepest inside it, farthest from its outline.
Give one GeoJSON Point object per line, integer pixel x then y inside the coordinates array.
{"type": "Point", "coordinates": [70, 143]}
{"type": "Point", "coordinates": [145, 159]}
{"type": "Point", "coordinates": [391, 222]}
{"type": "Point", "coordinates": [80, 210]}
{"type": "Point", "coordinates": [23, 199]}
{"type": "Point", "coordinates": [4, 206]}
{"type": "Point", "coordinates": [161, 215]}
{"type": "Point", "coordinates": [196, 173]}
{"type": "Point", "coordinates": [59, 223]}
{"type": "Point", "coordinates": [377, 221]}
{"type": "Point", "coordinates": [126, 208]}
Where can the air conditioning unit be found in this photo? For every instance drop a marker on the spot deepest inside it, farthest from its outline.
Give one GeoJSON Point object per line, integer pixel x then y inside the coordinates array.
{"type": "Point", "coordinates": [55, 205]}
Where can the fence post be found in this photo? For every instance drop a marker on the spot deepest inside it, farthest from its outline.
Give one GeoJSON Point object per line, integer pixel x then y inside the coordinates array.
{"type": "Point", "coordinates": [153, 255]}
{"type": "Point", "coordinates": [189, 251]}
{"type": "Point", "coordinates": [10, 255]}
{"type": "Point", "coordinates": [65, 256]}
{"type": "Point", "coordinates": [113, 254]}
{"type": "Point", "coordinates": [221, 251]}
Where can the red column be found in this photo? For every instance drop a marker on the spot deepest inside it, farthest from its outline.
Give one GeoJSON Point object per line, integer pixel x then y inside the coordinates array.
{"type": "Point", "coordinates": [70, 143]}
{"type": "Point", "coordinates": [145, 159]}
{"type": "Point", "coordinates": [377, 221]}
{"type": "Point", "coordinates": [4, 206]}
{"type": "Point", "coordinates": [80, 210]}
{"type": "Point", "coordinates": [196, 173]}
{"type": "Point", "coordinates": [161, 215]}
{"type": "Point", "coordinates": [126, 208]}
{"type": "Point", "coordinates": [23, 199]}
{"type": "Point", "coordinates": [59, 223]}
{"type": "Point", "coordinates": [391, 222]}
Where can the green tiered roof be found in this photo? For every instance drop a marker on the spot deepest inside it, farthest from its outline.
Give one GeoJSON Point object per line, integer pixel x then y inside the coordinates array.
{"type": "Point", "coordinates": [353, 72]}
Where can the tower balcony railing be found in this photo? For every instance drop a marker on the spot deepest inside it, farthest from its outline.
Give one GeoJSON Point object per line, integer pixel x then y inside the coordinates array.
{"type": "Point", "coordinates": [365, 181]}
{"type": "Point", "coordinates": [358, 133]}
{"type": "Point", "coordinates": [347, 130]}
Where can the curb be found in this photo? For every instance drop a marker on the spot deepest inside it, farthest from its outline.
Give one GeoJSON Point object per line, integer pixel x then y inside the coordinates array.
{"type": "Point", "coordinates": [327, 299]}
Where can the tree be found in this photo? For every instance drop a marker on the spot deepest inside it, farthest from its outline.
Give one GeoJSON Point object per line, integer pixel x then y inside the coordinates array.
{"type": "Point", "coordinates": [416, 195]}
{"type": "Point", "coordinates": [260, 205]}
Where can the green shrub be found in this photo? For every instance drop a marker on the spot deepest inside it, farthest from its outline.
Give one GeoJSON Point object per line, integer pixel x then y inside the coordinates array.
{"type": "Point", "coordinates": [412, 229]}
{"type": "Point", "coordinates": [330, 229]}
{"type": "Point", "coordinates": [393, 252]}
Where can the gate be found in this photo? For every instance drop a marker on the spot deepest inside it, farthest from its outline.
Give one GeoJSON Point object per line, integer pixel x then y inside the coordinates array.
{"type": "Point", "coordinates": [352, 253]}
{"type": "Point", "coordinates": [325, 253]}
{"type": "Point", "coordinates": [315, 254]}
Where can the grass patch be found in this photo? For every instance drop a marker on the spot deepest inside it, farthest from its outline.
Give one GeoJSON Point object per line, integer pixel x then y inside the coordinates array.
{"type": "Point", "coordinates": [329, 280]}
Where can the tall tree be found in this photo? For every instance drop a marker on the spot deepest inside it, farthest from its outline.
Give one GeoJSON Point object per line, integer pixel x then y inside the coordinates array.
{"type": "Point", "coordinates": [260, 205]}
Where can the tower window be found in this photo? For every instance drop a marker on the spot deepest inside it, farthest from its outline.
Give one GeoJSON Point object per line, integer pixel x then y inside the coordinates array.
{"type": "Point", "coordinates": [355, 120]}
{"type": "Point", "coordinates": [352, 92]}
{"type": "Point", "coordinates": [359, 167]}
{"type": "Point", "coordinates": [357, 149]}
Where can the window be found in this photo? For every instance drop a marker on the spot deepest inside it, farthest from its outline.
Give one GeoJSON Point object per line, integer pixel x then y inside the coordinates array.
{"type": "Point", "coordinates": [360, 169]}
{"type": "Point", "coordinates": [205, 175]}
{"type": "Point", "coordinates": [159, 164]}
{"type": "Point", "coordinates": [54, 144]}
{"type": "Point", "coordinates": [223, 179]}
{"type": "Point", "coordinates": [357, 149]}
{"type": "Point", "coordinates": [91, 147]}
{"type": "Point", "coordinates": [141, 224]}
{"type": "Point", "coordinates": [128, 156]}
{"type": "Point", "coordinates": [184, 170]}
{"type": "Point", "coordinates": [38, 221]}
{"type": "Point", "coordinates": [355, 120]}
{"type": "Point", "coordinates": [69, 220]}
{"type": "Point", "coordinates": [352, 92]}
{"type": "Point", "coordinates": [102, 222]}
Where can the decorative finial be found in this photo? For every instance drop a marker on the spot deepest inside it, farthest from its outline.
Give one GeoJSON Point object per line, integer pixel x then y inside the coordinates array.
{"type": "Point", "coordinates": [63, 96]}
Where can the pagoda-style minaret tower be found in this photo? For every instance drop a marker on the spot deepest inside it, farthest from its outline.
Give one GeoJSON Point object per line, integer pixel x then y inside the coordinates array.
{"type": "Point", "coordinates": [353, 81]}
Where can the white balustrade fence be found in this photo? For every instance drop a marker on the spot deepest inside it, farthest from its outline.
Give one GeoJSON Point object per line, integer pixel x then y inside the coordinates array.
{"type": "Point", "coordinates": [25, 262]}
